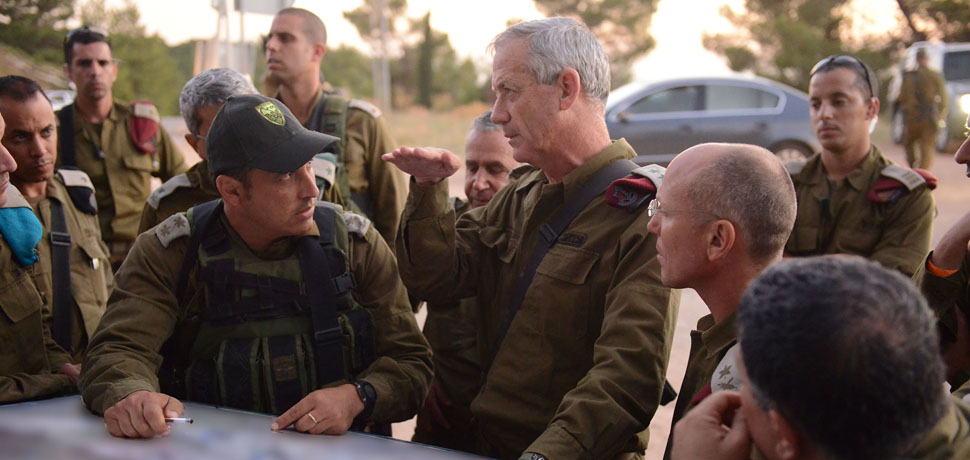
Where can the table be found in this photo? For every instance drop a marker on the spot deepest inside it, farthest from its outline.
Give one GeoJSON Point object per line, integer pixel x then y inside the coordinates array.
{"type": "Point", "coordinates": [63, 428]}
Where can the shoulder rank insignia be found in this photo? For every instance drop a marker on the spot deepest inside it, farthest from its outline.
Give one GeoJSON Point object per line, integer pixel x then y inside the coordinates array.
{"type": "Point", "coordinates": [143, 126]}
{"type": "Point", "coordinates": [356, 223]}
{"type": "Point", "coordinates": [365, 106]}
{"type": "Point", "coordinates": [795, 167]}
{"type": "Point", "coordinates": [895, 182]}
{"type": "Point", "coordinates": [726, 374]}
{"type": "Point", "coordinates": [324, 167]}
{"type": "Point", "coordinates": [631, 192]}
{"type": "Point", "coordinates": [167, 188]}
{"type": "Point", "coordinates": [80, 189]}
{"type": "Point", "coordinates": [173, 228]}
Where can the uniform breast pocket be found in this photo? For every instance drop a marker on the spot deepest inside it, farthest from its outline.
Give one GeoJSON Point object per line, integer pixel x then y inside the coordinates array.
{"type": "Point", "coordinates": [502, 241]}
{"type": "Point", "coordinates": [857, 241]}
{"type": "Point", "coordinates": [141, 162]}
{"type": "Point", "coordinates": [19, 299]}
{"type": "Point", "coordinates": [89, 277]}
{"type": "Point", "coordinates": [562, 293]}
{"type": "Point", "coordinates": [21, 330]}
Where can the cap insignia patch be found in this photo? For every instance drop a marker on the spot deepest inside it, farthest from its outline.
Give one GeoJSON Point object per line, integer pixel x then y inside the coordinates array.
{"type": "Point", "coordinates": [271, 113]}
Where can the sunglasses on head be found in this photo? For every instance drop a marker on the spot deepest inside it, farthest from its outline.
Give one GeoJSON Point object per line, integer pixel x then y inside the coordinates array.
{"type": "Point", "coordinates": [89, 29]}
{"type": "Point", "coordinates": [845, 59]}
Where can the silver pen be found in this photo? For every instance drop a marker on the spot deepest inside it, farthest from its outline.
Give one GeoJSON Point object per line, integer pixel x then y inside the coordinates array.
{"type": "Point", "coordinates": [178, 420]}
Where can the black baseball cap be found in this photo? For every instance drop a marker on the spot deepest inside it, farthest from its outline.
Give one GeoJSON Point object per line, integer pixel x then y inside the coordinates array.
{"type": "Point", "coordinates": [260, 132]}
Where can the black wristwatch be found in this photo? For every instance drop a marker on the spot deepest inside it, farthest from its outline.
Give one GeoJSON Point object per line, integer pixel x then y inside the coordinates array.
{"type": "Point", "coordinates": [368, 396]}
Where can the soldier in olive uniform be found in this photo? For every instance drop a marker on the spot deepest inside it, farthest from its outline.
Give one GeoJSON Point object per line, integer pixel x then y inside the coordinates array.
{"type": "Point", "coordinates": [852, 199]}
{"type": "Point", "coordinates": [804, 327]}
{"type": "Point", "coordinates": [199, 102]}
{"type": "Point", "coordinates": [294, 49]}
{"type": "Point", "coordinates": [924, 99]}
{"type": "Point", "coordinates": [452, 327]}
{"type": "Point", "coordinates": [722, 216]}
{"type": "Point", "coordinates": [944, 278]}
{"type": "Point", "coordinates": [578, 370]}
{"type": "Point", "coordinates": [72, 273]}
{"type": "Point", "coordinates": [121, 147]}
{"type": "Point", "coordinates": [264, 300]}
{"type": "Point", "coordinates": [31, 364]}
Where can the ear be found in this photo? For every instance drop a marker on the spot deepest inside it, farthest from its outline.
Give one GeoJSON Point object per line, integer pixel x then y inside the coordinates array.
{"type": "Point", "coordinates": [193, 141]}
{"type": "Point", "coordinates": [787, 440]}
{"type": "Point", "coordinates": [570, 88]}
{"type": "Point", "coordinates": [319, 50]}
{"type": "Point", "coordinates": [872, 108]}
{"type": "Point", "coordinates": [721, 240]}
{"type": "Point", "coordinates": [231, 190]}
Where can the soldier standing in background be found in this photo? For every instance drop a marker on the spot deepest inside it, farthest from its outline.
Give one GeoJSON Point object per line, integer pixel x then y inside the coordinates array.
{"type": "Point", "coordinates": [294, 49]}
{"type": "Point", "coordinates": [120, 146]}
{"type": "Point", "coordinates": [924, 100]}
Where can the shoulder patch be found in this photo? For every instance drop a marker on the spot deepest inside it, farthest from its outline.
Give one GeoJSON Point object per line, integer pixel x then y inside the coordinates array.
{"type": "Point", "coordinates": [173, 228]}
{"type": "Point", "coordinates": [795, 167]}
{"type": "Point", "coordinates": [324, 168]}
{"type": "Point", "coordinates": [653, 172]}
{"type": "Point", "coordinates": [75, 178]}
{"type": "Point", "coordinates": [167, 188]}
{"type": "Point", "coordinates": [726, 374]}
{"type": "Point", "coordinates": [14, 198]}
{"type": "Point", "coordinates": [365, 106]}
{"type": "Point", "coordinates": [356, 223]}
{"type": "Point", "coordinates": [145, 109]}
{"type": "Point", "coordinates": [911, 179]}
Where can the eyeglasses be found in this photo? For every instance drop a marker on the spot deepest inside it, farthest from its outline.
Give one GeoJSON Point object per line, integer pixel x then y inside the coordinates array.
{"type": "Point", "coordinates": [654, 208]}
{"type": "Point", "coordinates": [845, 59]}
{"type": "Point", "coordinates": [86, 29]}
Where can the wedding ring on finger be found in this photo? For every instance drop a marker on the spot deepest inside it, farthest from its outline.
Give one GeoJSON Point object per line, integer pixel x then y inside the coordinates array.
{"type": "Point", "coordinates": [310, 414]}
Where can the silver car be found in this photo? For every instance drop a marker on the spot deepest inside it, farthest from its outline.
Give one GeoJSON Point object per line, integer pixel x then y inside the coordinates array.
{"type": "Point", "coordinates": [661, 119]}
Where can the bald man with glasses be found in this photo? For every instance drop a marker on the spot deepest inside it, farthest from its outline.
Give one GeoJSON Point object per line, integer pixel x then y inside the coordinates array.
{"type": "Point", "coordinates": [852, 199]}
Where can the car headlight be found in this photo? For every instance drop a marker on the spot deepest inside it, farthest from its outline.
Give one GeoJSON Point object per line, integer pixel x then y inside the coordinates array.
{"type": "Point", "coordinates": [965, 103]}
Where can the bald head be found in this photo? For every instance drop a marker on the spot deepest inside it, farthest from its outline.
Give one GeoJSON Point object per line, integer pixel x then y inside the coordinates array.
{"type": "Point", "coordinates": [744, 184]}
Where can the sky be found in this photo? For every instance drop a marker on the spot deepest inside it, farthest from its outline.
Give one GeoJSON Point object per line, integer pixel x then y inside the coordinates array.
{"type": "Point", "coordinates": [678, 26]}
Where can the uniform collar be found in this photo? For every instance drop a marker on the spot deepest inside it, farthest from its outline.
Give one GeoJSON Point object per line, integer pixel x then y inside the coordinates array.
{"type": "Point", "coordinates": [114, 115]}
{"type": "Point", "coordinates": [316, 100]}
{"type": "Point", "coordinates": [859, 178]}
{"type": "Point", "coordinates": [200, 174]}
{"type": "Point", "coordinates": [717, 337]}
{"type": "Point", "coordinates": [578, 177]}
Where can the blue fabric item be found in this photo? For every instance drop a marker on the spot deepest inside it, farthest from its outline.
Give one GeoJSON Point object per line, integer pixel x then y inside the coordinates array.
{"type": "Point", "coordinates": [22, 231]}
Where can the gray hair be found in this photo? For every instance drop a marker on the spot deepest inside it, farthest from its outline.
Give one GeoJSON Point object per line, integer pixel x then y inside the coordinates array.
{"type": "Point", "coordinates": [750, 187]}
{"type": "Point", "coordinates": [843, 335]}
{"type": "Point", "coordinates": [556, 44]}
{"type": "Point", "coordinates": [210, 88]}
{"type": "Point", "coordinates": [483, 123]}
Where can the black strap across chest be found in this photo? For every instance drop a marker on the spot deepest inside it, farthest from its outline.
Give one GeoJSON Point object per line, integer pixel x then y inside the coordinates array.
{"type": "Point", "coordinates": [549, 234]}
{"type": "Point", "coordinates": [65, 136]}
{"type": "Point", "coordinates": [63, 302]}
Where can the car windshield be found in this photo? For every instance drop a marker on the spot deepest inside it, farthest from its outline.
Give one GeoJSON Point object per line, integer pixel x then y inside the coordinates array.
{"type": "Point", "coordinates": [956, 65]}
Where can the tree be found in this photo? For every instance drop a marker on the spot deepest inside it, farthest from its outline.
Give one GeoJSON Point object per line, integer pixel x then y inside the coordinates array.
{"type": "Point", "coordinates": [347, 68]}
{"type": "Point", "coordinates": [31, 26]}
{"type": "Point", "coordinates": [783, 39]}
{"type": "Point", "coordinates": [622, 26]}
{"type": "Point", "coordinates": [37, 13]}
{"type": "Point", "coordinates": [425, 62]}
{"type": "Point", "coordinates": [944, 20]}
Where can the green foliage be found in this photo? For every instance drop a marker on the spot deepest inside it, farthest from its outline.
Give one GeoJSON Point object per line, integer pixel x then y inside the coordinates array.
{"type": "Point", "coordinates": [622, 26]}
{"type": "Point", "coordinates": [31, 26]}
{"type": "Point", "coordinates": [783, 39]}
{"type": "Point", "coordinates": [945, 20]}
{"type": "Point", "coordinates": [346, 67]}
{"type": "Point", "coordinates": [364, 19]}
{"type": "Point", "coordinates": [425, 61]}
{"type": "Point", "coordinates": [37, 13]}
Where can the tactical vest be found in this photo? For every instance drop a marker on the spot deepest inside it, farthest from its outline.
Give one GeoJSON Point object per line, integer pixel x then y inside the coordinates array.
{"type": "Point", "coordinates": [266, 337]}
{"type": "Point", "coordinates": [329, 116]}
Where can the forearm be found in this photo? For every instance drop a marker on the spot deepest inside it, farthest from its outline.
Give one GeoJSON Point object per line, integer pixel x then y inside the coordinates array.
{"type": "Point", "coordinates": [432, 263]}
{"type": "Point", "coordinates": [22, 387]}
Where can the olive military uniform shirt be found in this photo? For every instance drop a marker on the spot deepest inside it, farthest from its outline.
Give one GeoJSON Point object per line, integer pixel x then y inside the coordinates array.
{"type": "Point", "coordinates": [122, 178]}
{"type": "Point", "coordinates": [944, 295]}
{"type": "Point", "coordinates": [381, 184]}
{"type": "Point", "coordinates": [581, 370]}
{"type": "Point", "coordinates": [949, 439]}
{"type": "Point", "coordinates": [91, 276]}
{"type": "Point", "coordinates": [452, 331]}
{"type": "Point", "coordinates": [840, 219]}
{"type": "Point", "coordinates": [709, 343]}
{"type": "Point", "coordinates": [28, 355]}
{"type": "Point", "coordinates": [193, 187]}
{"type": "Point", "coordinates": [143, 312]}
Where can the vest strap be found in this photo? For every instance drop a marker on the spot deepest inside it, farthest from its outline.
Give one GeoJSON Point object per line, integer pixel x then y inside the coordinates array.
{"type": "Point", "coordinates": [63, 321]}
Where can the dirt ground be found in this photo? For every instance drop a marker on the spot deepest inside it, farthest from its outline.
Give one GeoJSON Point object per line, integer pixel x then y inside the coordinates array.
{"type": "Point", "coordinates": [951, 201]}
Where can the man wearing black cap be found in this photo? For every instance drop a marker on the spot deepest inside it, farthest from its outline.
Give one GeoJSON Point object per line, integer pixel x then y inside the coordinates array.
{"type": "Point", "coordinates": [263, 300]}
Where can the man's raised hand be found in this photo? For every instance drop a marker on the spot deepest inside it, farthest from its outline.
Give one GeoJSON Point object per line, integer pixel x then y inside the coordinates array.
{"type": "Point", "coordinates": [425, 164]}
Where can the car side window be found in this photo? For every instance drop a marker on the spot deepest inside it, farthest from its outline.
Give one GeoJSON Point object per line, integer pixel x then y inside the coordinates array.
{"type": "Point", "coordinates": [678, 99]}
{"type": "Point", "coordinates": [726, 97]}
